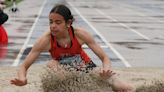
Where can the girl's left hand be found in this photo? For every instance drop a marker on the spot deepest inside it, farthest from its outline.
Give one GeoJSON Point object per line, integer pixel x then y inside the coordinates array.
{"type": "Point", "coordinates": [106, 73]}
{"type": "Point", "coordinates": [19, 82]}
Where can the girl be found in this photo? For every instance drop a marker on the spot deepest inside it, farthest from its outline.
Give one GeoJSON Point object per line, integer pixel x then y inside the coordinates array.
{"type": "Point", "coordinates": [64, 43]}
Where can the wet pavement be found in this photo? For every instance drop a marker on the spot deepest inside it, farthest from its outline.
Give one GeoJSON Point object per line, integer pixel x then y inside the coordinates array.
{"type": "Point", "coordinates": [135, 32]}
{"type": "Point", "coordinates": [130, 32]}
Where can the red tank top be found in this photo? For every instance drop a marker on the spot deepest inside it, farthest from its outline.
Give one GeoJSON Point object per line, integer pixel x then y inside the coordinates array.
{"type": "Point", "coordinates": [58, 52]}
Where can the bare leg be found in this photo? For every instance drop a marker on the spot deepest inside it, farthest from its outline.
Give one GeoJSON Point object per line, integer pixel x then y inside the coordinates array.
{"type": "Point", "coordinates": [57, 68]}
{"type": "Point", "coordinates": [53, 64]}
{"type": "Point", "coordinates": [117, 84]}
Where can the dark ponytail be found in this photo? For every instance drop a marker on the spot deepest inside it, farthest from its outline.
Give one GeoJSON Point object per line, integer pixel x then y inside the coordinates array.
{"type": "Point", "coordinates": [63, 11]}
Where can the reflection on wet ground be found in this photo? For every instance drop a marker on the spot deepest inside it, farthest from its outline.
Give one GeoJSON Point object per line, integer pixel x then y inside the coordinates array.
{"type": "Point", "coordinates": [137, 45]}
{"type": "Point", "coordinates": [119, 22]}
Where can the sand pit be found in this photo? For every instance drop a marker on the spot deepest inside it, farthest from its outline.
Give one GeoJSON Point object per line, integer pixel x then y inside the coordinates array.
{"type": "Point", "coordinates": [43, 80]}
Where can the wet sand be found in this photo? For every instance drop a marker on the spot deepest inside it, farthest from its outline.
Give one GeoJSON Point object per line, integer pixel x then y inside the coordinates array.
{"type": "Point", "coordinates": [142, 78]}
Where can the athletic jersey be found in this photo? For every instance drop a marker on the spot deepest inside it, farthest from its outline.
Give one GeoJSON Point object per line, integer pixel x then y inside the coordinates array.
{"type": "Point", "coordinates": [57, 52]}
{"type": "Point", "coordinates": [3, 42]}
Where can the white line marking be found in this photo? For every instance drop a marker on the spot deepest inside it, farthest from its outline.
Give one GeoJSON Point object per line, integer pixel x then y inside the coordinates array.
{"type": "Point", "coordinates": [109, 17]}
{"type": "Point", "coordinates": [17, 60]}
{"type": "Point", "coordinates": [106, 42]}
{"type": "Point", "coordinates": [140, 14]}
{"type": "Point", "coordinates": [129, 8]}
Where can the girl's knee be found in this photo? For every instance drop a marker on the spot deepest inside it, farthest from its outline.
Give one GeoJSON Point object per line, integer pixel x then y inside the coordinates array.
{"type": "Point", "coordinates": [52, 63]}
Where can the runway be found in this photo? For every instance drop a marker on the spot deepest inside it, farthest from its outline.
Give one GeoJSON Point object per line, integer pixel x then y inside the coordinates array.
{"type": "Point", "coordinates": [129, 31]}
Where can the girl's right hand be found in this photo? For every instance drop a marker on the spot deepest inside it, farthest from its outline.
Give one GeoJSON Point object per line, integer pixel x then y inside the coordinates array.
{"type": "Point", "coordinates": [19, 82]}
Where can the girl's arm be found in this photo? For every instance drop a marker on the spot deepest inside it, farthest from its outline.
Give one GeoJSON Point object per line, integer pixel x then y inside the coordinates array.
{"type": "Point", "coordinates": [85, 38]}
{"type": "Point", "coordinates": [41, 45]}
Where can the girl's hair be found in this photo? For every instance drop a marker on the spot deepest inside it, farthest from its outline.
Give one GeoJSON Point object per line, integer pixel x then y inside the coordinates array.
{"type": "Point", "coordinates": [63, 11]}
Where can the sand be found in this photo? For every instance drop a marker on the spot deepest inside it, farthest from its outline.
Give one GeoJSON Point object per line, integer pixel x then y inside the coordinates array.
{"type": "Point", "coordinates": [39, 80]}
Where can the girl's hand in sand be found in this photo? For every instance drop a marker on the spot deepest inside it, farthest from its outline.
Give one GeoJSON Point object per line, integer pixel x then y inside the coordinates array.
{"type": "Point", "coordinates": [106, 73]}
{"type": "Point", "coordinates": [19, 82]}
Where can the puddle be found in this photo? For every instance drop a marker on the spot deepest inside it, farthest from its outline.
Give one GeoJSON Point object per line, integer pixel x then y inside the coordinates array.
{"type": "Point", "coordinates": [133, 45]}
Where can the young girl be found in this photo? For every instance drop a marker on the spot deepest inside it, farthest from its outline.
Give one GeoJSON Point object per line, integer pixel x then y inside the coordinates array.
{"type": "Point", "coordinates": [65, 45]}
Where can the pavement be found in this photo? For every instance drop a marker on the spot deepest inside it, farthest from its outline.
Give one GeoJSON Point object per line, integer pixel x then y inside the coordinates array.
{"type": "Point", "coordinates": [26, 25]}
{"type": "Point", "coordinates": [130, 32]}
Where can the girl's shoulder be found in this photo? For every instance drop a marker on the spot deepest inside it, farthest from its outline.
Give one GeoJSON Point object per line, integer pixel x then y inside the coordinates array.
{"type": "Point", "coordinates": [43, 41]}
{"type": "Point", "coordinates": [46, 35]}
{"type": "Point", "coordinates": [80, 31]}
{"type": "Point", "coordinates": [83, 35]}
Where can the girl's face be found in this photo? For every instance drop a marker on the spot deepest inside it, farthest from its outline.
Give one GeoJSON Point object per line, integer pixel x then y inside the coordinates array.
{"type": "Point", "coordinates": [57, 24]}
